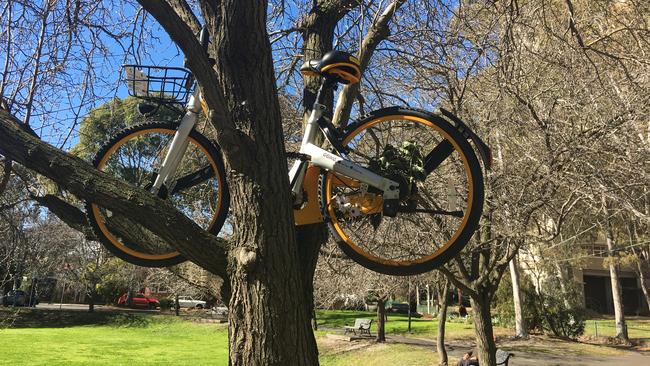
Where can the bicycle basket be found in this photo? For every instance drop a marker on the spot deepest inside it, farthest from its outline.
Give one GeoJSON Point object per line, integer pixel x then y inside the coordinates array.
{"type": "Point", "coordinates": [158, 84]}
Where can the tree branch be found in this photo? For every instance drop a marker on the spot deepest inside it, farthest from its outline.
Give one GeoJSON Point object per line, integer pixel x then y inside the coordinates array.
{"type": "Point", "coordinates": [377, 33]}
{"type": "Point", "coordinates": [197, 60]}
{"type": "Point", "coordinates": [84, 181]}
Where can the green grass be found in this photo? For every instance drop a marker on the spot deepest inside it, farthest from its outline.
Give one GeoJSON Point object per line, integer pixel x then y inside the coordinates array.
{"type": "Point", "coordinates": [398, 324]}
{"type": "Point", "coordinates": [636, 328]}
{"type": "Point", "coordinates": [78, 338]}
{"type": "Point", "coordinates": [383, 355]}
{"type": "Point", "coordinates": [137, 340]}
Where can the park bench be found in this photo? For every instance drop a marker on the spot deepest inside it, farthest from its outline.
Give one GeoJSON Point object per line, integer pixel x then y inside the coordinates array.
{"type": "Point", "coordinates": [503, 357]}
{"type": "Point", "coordinates": [361, 325]}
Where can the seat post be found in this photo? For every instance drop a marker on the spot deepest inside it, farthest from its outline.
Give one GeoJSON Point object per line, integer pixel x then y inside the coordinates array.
{"type": "Point", "coordinates": [327, 84]}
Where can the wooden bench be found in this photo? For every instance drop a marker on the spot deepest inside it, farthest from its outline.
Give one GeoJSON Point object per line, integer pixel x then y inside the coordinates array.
{"type": "Point", "coordinates": [503, 357]}
{"type": "Point", "coordinates": [361, 325]}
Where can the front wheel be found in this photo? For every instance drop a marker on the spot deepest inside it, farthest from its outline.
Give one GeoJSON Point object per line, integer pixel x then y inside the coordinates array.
{"type": "Point", "coordinates": [198, 189]}
{"type": "Point", "coordinates": [441, 193]}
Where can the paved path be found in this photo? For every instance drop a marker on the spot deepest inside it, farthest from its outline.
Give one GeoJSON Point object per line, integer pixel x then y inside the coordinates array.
{"type": "Point", "coordinates": [456, 349]}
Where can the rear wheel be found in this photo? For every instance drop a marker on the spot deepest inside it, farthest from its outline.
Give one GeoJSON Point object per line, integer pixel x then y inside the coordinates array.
{"type": "Point", "coordinates": [198, 189]}
{"type": "Point", "coordinates": [441, 193]}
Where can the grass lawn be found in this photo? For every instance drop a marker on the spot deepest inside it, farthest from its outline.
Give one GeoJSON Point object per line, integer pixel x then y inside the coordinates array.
{"type": "Point", "coordinates": [122, 340]}
{"type": "Point", "coordinates": [636, 328]}
{"type": "Point", "coordinates": [382, 354]}
{"type": "Point", "coordinates": [398, 324]}
{"type": "Point", "coordinates": [41, 337]}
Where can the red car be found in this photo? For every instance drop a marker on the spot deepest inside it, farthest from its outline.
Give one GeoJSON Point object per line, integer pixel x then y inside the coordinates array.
{"type": "Point", "coordinates": [138, 300]}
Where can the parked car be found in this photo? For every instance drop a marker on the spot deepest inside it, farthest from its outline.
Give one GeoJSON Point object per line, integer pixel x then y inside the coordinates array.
{"type": "Point", "coordinates": [399, 308]}
{"type": "Point", "coordinates": [138, 300]}
{"type": "Point", "coordinates": [17, 298]}
{"type": "Point", "coordinates": [403, 308]}
{"type": "Point", "coordinates": [190, 302]}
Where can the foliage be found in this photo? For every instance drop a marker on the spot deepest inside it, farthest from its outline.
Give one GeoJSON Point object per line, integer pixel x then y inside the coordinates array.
{"type": "Point", "coordinates": [112, 116]}
{"type": "Point", "coordinates": [562, 322]}
{"type": "Point", "coordinates": [559, 306]}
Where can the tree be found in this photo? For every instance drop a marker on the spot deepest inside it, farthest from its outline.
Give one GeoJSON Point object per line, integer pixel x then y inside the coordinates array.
{"type": "Point", "coordinates": [246, 116]}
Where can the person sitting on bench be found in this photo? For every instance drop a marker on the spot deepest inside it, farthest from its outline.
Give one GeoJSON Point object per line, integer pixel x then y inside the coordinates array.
{"type": "Point", "coordinates": [468, 360]}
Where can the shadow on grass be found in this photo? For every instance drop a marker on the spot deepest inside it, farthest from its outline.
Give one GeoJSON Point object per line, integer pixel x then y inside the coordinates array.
{"type": "Point", "coordinates": [31, 318]}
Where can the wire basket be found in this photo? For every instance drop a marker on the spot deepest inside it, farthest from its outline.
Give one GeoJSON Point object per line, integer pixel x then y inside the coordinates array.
{"type": "Point", "coordinates": [159, 84]}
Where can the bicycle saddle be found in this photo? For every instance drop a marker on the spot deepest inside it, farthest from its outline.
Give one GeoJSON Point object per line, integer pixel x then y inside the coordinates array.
{"type": "Point", "coordinates": [338, 64]}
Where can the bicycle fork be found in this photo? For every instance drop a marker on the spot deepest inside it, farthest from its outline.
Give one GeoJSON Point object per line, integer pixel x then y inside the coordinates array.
{"type": "Point", "coordinates": [177, 147]}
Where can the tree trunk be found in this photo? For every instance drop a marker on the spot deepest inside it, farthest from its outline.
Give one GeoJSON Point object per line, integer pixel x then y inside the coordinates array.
{"type": "Point", "coordinates": [91, 301]}
{"type": "Point", "coordinates": [521, 330]}
{"type": "Point", "coordinates": [442, 320]}
{"type": "Point", "coordinates": [563, 280]}
{"type": "Point", "coordinates": [617, 293]}
{"type": "Point", "coordinates": [644, 282]}
{"type": "Point", "coordinates": [641, 261]}
{"type": "Point", "coordinates": [318, 36]}
{"type": "Point", "coordinates": [483, 329]}
{"type": "Point", "coordinates": [309, 239]}
{"type": "Point", "coordinates": [269, 323]}
{"type": "Point", "coordinates": [381, 320]}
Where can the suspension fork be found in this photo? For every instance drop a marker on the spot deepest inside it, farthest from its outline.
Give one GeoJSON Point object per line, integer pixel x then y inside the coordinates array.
{"type": "Point", "coordinates": [177, 147]}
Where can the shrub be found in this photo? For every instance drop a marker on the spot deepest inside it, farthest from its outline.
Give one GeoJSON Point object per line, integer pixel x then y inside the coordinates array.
{"type": "Point", "coordinates": [554, 309]}
{"type": "Point", "coordinates": [166, 304]}
{"type": "Point", "coordinates": [568, 323]}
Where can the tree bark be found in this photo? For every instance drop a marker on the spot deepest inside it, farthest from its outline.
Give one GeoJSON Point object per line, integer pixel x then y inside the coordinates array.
{"type": "Point", "coordinates": [318, 34]}
{"type": "Point", "coordinates": [442, 320]}
{"type": "Point", "coordinates": [521, 330]}
{"type": "Point", "coordinates": [309, 239]}
{"type": "Point", "coordinates": [269, 322]}
{"type": "Point", "coordinates": [617, 293]}
{"type": "Point", "coordinates": [381, 320]}
{"type": "Point", "coordinates": [483, 328]}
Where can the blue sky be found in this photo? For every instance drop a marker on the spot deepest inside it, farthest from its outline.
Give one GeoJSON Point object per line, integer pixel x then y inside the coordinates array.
{"type": "Point", "coordinates": [60, 126]}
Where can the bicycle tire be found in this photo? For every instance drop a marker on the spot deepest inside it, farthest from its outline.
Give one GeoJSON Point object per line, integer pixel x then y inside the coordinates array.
{"type": "Point", "coordinates": [196, 140]}
{"type": "Point", "coordinates": [361, 252]}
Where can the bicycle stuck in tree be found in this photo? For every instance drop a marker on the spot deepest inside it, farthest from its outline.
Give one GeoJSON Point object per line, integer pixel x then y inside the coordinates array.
{"type": "Point", "coordinates": [400, 189]}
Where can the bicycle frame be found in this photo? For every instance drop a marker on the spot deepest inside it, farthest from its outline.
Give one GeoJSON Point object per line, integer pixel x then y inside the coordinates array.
{"type": "Point", "coordinates": [312, 153]}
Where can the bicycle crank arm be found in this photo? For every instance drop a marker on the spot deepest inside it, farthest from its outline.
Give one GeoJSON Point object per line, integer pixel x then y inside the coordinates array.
{"type": "Point", "coordinates": [406, 209]}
